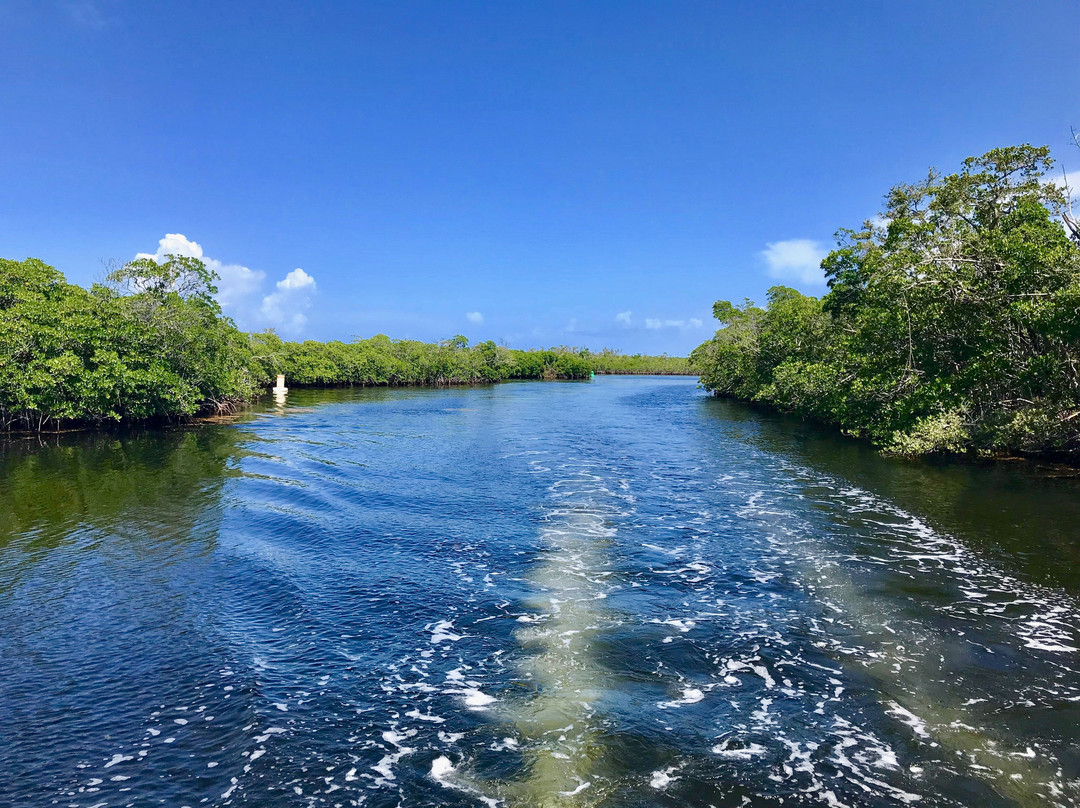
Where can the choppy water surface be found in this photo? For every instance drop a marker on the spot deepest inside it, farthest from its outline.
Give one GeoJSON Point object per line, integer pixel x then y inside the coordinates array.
{"type": "Point", "coordinates": [616, 593]}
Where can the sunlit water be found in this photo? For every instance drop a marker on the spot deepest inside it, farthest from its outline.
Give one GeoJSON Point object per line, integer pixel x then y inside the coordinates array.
{"type": "Point", "coordinates": [613, 593]}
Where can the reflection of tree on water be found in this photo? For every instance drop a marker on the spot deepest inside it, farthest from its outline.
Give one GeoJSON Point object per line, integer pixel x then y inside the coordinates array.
{"type": "Point", "coordinates": [306, 397]}
{"type": "Point", "coordinates": [152, 485]}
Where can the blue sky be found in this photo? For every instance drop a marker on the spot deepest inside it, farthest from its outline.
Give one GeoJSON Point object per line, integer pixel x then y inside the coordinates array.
{"type": "Point", "coordinates": [585, 173]}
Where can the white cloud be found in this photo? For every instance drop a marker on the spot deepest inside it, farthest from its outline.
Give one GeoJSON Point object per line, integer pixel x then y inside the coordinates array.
{"type": "Point", "coordinates": [796, 259]}
{"type": "Point", "coordinates": [284, 309]}
{"type": "Point", "coordinates": [235, 284]}
{"type": "Point", "coordinates": [1070, 179]}
{"type": "Point", "coordinates": [623, 317]}
{"type": "Point", "coordinates": [475, 317]}
{"type": "Point", "coordinates": [651, 322]}
{"type": "Point", "coordinates": [175, 244]}
{"type": "Point", "coordinates": [297, 279]}
{"type": "Point", "coordinates": [694, 322]}
{"type": "Point", "coordinates": [239, 288]}
{"type": "Point", "coordinates": [880, 221]}
{"type": "Point", "coordinates": [1069, 182]}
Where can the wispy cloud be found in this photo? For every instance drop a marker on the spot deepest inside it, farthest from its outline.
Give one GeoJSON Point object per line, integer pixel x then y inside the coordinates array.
{"type": "Point", "coordinates": [796, 259]}
{"type": "Point", "coordinates": [475, 317]}
{"type": "Point", "coordinates": [623, 317]}
{"type": "Point", "coordinates": [84, 13]}
{"type": "Point", "coordinates": [655, 324]}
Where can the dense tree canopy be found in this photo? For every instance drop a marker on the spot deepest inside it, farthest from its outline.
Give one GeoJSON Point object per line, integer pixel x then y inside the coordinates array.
{"type": "Point", "coordinates": [952, 323]}
{"type": "Point", "coordinates": [68, 353]}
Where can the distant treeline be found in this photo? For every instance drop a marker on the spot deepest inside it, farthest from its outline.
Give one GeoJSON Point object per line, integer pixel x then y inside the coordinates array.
{"type": "Point", "coordinates": [151, 343]}
{"type": "Point", "coordinates": [609, 361]}
{"type": "Point", "coordinates": [383, 361]}
{"type": "Point", "coordinates": [952, 322]}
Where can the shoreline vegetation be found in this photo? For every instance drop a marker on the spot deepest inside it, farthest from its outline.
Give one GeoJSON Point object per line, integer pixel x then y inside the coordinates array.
{"type": "Point", "coordinates": [951, 325]}
{"type": "Point", "coordinates": [151, 345]}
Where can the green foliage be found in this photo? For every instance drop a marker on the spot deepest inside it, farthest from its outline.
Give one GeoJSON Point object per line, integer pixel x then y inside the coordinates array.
{"type": "Point", "coordinates": [611, 361]}
{"type": "Point", "coordinates": [953, 327]}
{"type": "Point", "coordinates": [72, 354]}
{"type": "Point", "coordinates": [383, 361]}
{"type": "Point", "coordinates": [153, 344]}
{"type": "Point", "coordinates": [946, 433]}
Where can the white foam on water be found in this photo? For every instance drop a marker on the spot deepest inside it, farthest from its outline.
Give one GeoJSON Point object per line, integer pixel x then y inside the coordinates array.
{"type": "Point", "coordinates": [661, 779]}
{"type": "Point", "coordinates": [425, 716]}
{"type": "Point", "coordinates": [690, 695]}
{"type": "Point", "coordinates": [975, 600]}
{"type": "Point", "coordinates": [385, 767]}
{"type": "Point", "coordinates": [477, 700]}
{"type": "Point", "coordinates": [440, 632]}
{"type": "Point", "coordinates": [747, 752]}
{"type": "Point", "coordinates": [443, 772]}
{"type": "Point", "coordinates": [441, 768]}
{"type": "Point", "coordinates": [918, 726]}
{"type": "Point", "coordinates": [681, 624]}
{"type": "Point", "coordinates": [581, 786]}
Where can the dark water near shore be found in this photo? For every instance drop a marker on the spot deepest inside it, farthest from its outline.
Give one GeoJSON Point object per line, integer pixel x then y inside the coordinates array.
{"type": "Point", "coordinates": [616, 593]}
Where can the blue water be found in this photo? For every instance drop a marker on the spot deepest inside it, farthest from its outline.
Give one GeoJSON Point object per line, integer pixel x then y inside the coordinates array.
{"type": "Point", "coordinates": [618, 593]}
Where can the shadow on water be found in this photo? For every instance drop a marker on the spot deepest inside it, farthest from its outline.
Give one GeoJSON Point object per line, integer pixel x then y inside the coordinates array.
{"type": "Point", "coordinates": [1022, 514]}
